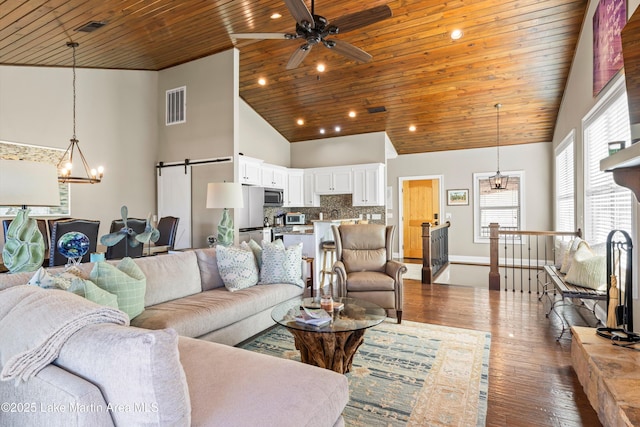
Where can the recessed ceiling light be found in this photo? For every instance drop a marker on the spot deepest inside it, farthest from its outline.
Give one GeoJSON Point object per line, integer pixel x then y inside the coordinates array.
{"type": "Point", "coordinates": [300, 122]}
{"type": "Point", "coordinates": [262, 81]}
{"type": "Point", "coordinates": [276, 16]}
{"type": "Point", "coordinates": [320, 68]}
{"type": "Point", "coordinates": [412, 128]}
{"type": "Point", "coordinates": [352, 114]}
{"type": "Point", "coordinates": [338, 129]}
{"type": "Point", "coordinates": [456, 34]}
{"type": "Point", "coordinates": [322, 131]}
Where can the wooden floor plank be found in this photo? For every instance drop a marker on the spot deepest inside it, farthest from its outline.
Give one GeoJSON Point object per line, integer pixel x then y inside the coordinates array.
{"type": "Point", "coordinates": [531, 381]}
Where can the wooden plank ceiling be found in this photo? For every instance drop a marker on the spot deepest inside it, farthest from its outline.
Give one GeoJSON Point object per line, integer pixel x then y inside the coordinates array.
{"type": "Point", "coordinates": [513, 52]}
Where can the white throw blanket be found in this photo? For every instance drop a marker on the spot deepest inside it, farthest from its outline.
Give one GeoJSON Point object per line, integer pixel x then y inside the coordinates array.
{"type": "Point", "coordinates": [35, 323]}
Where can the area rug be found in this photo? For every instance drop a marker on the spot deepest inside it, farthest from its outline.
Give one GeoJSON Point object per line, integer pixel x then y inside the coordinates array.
{"type": "Point", "coordinates": [413, 374]}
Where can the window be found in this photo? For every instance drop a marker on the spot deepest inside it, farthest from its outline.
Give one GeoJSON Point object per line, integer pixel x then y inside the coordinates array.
{"type": "Point", "coordinates": [607, 205]}
{"type": "Point", "coordinates": [565, 187]}
{"type": "Point", "coordinates": [503, 206]}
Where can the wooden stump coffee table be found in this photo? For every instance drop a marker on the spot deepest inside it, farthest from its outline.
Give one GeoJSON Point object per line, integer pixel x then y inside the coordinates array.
{"type": "Point", "coordinates": [334, 345]}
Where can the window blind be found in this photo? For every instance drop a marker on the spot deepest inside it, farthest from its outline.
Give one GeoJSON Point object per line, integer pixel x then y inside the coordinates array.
{"type": "Point", "coordinates": [607, 205]}
{"type": "Point", "coordinates": [565, 186]}
{"type": "Point", "coordinates": [503, 206]}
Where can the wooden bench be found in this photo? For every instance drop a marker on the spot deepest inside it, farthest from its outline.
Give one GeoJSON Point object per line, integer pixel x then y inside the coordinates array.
{"type": "Point", "coordinates": [568, 292]}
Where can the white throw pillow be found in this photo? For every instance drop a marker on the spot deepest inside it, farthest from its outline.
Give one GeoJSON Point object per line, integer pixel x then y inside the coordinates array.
{"type": "Point", "coordinates": [568, 258]}
{"type": "Point", "coordinates": [561, 247]}
{"type": "Point", "coordinates": [588, 269]}
{"type": "Point", "coordinates": [280, 265]}
{"type": "Point", "coordinates": [238, 267]}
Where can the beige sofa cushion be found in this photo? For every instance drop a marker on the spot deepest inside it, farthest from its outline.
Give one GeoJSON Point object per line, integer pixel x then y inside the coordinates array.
{"type": "Point", "coordinates": [170, 276]}
{"type": "Point", "coordinates": [208, 311]}
{"type": "Point", "coordinates": [137, 370]}
{"type": "Point", "coordinates": [258, 390]}
{"type": "Point", "coordinates": [209, 273]}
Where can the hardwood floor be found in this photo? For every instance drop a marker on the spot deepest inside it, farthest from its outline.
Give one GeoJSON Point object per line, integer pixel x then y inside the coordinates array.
{"type": "Point", "coordinates": [531, 381]}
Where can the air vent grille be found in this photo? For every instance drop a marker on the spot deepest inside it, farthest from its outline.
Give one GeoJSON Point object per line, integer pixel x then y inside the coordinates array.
{"type": "Point", "coordinates": [176, 106]}
{"type": "Point", "coordinates": [380, 109]}
{"type": "Point", "coordinates": [91, 26]}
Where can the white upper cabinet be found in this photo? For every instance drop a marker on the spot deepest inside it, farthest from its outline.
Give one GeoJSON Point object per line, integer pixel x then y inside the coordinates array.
{"type": "Point", "coordinates": [274, 176]}
{"type": "Point", "coordinates": [311, 198]}
{"type": "Point", "coordinates": [368, 185]}
{"type": "Point", "coordinates": [294, 192]}
{"type": "Point", "coordinates": [250, 170]}
{"type": "Point", "coordinates": [332, 180]}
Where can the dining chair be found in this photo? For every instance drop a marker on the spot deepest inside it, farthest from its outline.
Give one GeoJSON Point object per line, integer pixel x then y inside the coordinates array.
{"type": "Point", "coordinates": [168, 228]}
{"type": "Point", "coordinates": [58, 228]}
{"type": "Point", "coordinates": [123, 248]}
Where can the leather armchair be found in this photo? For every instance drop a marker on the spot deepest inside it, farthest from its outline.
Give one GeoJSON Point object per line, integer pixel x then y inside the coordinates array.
{"type": "Point", "coordinates": [168, 228]}
{"type": "Point", "coordinates": [60, 227]}
{"type": "Point", "coordinates": [365, 268]}
{"type": "Point", "coordinates": [123, 248]}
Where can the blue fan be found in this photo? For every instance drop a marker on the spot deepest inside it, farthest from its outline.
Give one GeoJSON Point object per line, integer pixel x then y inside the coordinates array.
{"type": "Point", "coordinates": [125, 232]}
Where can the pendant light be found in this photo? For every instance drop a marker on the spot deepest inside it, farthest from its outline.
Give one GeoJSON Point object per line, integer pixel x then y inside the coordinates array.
{"type": "Point", "coordinates": [65, 167]}
{"type": "Point", "coordinates": [498, 181]}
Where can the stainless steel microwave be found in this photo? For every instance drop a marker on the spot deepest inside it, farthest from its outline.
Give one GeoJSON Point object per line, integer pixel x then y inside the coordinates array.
{"type": "Point", "coordinates": [273, 197]}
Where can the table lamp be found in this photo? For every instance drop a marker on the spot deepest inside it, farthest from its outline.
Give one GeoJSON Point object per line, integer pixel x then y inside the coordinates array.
{"type": "Point", "coordinates": [225, 195]}
{"type": "Point", "coordinates": [25, 183]}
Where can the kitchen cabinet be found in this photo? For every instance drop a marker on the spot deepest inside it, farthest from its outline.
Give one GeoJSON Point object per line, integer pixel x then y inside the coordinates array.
{"type": "Point", "coordinates": [274, 176]}
{"type": "Point", "coordinates": [368, 185]}
{"type": "Point", "coordinates": [311, 198]}
{"type": "Point", "coordinates": [250, 170]}
{"type": "Point", "coordinates": [307, 240]}
{"type": "Point", "coordinates": [294, 191]}
{"type": "Point", "coordinates": [332, 181]}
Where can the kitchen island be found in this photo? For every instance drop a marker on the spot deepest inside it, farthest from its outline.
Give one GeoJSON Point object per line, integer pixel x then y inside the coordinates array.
{"type": "Point", "coordinates": [311, 236]}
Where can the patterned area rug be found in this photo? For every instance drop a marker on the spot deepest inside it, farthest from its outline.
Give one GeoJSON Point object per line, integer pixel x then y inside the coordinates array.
{"type": "Point", "coordinates": [414, 374]}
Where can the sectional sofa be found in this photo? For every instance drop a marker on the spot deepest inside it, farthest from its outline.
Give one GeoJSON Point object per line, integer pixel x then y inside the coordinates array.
{"type": "Point", "coordinates": [202, 380]}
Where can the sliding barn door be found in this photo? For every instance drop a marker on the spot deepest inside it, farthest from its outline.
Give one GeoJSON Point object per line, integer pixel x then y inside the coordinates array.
{"type": "Point", "coordinates": [174, 199]}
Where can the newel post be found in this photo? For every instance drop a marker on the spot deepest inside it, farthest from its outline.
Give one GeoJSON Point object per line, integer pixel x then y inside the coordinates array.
{"type": "Point", "coordinates": [494, 241]}
{"type": "Point", "coordinates": [427, 274]}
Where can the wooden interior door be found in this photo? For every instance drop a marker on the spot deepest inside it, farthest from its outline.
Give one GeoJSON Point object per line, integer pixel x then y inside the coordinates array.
{"type": "Point", "coordinates": [420, 200]}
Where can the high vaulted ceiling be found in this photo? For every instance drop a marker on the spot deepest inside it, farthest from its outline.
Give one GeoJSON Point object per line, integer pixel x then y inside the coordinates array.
{"type": "Point", "coordinates": [513, 52]}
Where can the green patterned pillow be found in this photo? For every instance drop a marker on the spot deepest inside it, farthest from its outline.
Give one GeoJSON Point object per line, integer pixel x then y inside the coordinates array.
{"type": "Point", "coordinates": [280, 265]}
{"type": "Point", "coordinates": [125, 280]}
{"type": "Point", "coordinates": [91, 291]}
{"type": "Point", "coordinates": [238, 267]}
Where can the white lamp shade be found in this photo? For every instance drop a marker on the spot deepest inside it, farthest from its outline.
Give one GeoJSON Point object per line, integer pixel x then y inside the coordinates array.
{"type": "Point", "coordinates": [26, 183]}
{"type": "Point", "coordinates": [224, 195]}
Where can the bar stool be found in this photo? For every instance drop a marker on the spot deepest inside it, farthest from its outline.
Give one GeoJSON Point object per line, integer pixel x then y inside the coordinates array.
{"type": "Point", "coordinates": [328, 254]}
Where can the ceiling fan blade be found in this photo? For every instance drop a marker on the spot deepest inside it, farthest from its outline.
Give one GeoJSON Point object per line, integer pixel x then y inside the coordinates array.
{"type": "Point", "coordinates": [264, 36]}
{"type": "Point", "coordinates": [300, 12]}
{"type": "Point", "coordinates": [363, 18]}
{"type": "Point", "coordinates": [298, 56]}
{"type": "Point", "coordinates": [349, 50]}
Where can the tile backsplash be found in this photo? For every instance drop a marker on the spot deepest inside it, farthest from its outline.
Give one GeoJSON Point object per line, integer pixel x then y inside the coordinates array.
{"type": "Point", "coordinates": [332, 207]}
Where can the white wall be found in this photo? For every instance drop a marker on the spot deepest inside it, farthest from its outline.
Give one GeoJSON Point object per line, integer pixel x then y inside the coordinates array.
{"type": "Point", "coordinates": [339, 151]}
{"type": "Point", "coordinates": [257, 138]}
{"type": "Point", "coordinates": [116, 127]}
{"type": "Point", "coordinates": [457, 168]}
{"type": "Point", "coordinates": [576, 103]}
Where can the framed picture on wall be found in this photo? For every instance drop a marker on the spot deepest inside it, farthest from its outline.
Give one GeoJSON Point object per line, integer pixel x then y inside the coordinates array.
{"type": "Point", "coordinates": [608, 20]}
{"type": "Point", "coordinates": [457, 197]}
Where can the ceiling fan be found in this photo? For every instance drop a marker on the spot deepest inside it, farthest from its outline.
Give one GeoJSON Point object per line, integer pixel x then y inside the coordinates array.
{"type": "Point", "coordinates": [315, 29]}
